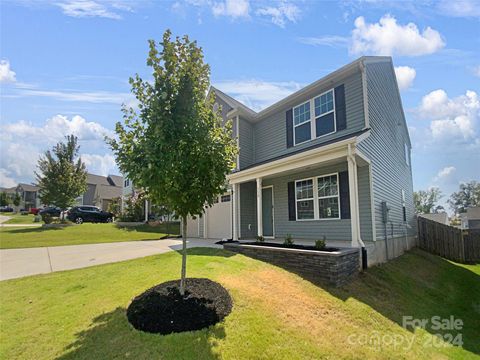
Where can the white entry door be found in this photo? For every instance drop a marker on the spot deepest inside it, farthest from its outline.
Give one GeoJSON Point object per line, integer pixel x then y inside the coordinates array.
{"type": "Point", "coordinates": [192, 227]}
{"type": "Point", "coordinates": [219, 219]}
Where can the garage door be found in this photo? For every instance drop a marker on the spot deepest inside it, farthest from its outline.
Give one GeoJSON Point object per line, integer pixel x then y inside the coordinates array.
{"type": "Point", "coordinates": [192, 227]}
{"type": "Point", "coordinates": [219, 219]}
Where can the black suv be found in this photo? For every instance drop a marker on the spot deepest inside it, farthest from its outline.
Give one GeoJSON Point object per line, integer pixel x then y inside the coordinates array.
{"type": "Point", "coordinates": [51, 210]}
{"type": "Point", "coordinates": [81, 214]}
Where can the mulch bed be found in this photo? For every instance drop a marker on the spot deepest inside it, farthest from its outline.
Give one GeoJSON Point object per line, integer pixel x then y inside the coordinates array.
{"type": "Point", "coordinates": [162, 309]}
{"type": "Point", "coordinates": [300, 247]}
{"type": "Point", "coordinates": [229, 241]}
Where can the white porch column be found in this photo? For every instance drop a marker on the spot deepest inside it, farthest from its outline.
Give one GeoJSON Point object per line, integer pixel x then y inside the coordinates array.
{"type": "Point", "coordinates": [234, 212]}
{"type": "Point", "coordinates": [352, 187]}
{"type": "Point", "coordinates": [259, 208]}
{"type": "Point", "coordinates": [146, 210]}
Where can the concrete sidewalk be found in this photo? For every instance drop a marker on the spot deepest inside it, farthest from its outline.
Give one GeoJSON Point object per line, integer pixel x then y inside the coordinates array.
{"type": "Point", "coordinates": [16, 263]}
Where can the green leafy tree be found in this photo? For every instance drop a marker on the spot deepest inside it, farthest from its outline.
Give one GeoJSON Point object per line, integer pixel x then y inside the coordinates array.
{"type": "Point", "coordinates": [426, 201]}
{"type": "Point", "coordinates": [3, 199]}
{"type": "Point", "coordinates": [175, 147]}
{"type": "Point", "coordinates": [467, 196]}
{"type": "Point", "coordinates": [16, 199]}
{"type": "Point", "coordinates": [61, 176]}
{"type": "Point", "coordinates": [115, 206]}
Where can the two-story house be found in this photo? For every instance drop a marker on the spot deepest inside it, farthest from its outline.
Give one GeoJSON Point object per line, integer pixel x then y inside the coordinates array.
{"type": "Point", "coordinates": [101, 190]}
{"type": "Point", "coordinates": [332, 159]}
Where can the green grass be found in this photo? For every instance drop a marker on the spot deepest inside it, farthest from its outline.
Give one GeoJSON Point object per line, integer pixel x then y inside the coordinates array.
{"type": "Point", "coordinates": [18, 218]}
{"type": "Point", "coordinates": [17, 237]}
{"type": "Point", "coordinates": [80, 314]}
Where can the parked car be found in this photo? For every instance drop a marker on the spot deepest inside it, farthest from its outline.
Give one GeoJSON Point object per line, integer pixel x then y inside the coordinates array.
{"type": "Point", "coordinates": [34, 211]}
{"type": "Point", "coordinates": [6, 209]}
{"type": "Point", "coordinates": [51, 210]}
{"type": "Point", "coordinates": [81, 214]}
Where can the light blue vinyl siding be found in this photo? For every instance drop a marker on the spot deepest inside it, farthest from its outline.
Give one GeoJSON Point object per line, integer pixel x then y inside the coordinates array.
{"type": "Point", "coordinates": [386, 148]}
{"type": "Point", "coordinates": [314, 229]}
{"type": "Point", "coordinates": [246, 144]}
{"type": "Point", "coordinates": [270, 133]}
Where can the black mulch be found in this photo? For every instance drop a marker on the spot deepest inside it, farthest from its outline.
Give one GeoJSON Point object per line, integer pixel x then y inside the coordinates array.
{"type": "Point", "coordinates": [300, 247]}
{"type": "Point", "coordinates": [162, 309]}
{"type": "Point", "coordinates": [229, 241]}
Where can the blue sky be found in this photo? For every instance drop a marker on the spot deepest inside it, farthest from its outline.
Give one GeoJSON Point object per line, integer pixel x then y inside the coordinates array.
{"type": "Point", "coordinates": [65, 67]}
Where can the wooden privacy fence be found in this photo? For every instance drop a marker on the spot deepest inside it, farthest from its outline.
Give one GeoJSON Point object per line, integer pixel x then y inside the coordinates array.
{"type": "Point", "coordinates": [448, 241]}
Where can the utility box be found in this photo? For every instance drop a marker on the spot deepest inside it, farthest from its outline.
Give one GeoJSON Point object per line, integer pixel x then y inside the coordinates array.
{"type": "Point", "coordinates": [385, 211]}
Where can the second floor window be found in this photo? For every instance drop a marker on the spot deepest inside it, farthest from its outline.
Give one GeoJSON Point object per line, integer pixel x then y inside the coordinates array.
{"type": "Point", "coordinates": [325, 113]}
{"type": "Point", "coordinates": [301, 123]}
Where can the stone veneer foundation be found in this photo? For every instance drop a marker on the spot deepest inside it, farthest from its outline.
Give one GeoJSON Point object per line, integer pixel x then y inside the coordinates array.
{"type": "Point", "coordinates": [334, 268]}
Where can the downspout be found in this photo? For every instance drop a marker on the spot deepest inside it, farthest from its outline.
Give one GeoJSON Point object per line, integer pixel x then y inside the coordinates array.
{"type": "Point", "coordinates": [351, 157]}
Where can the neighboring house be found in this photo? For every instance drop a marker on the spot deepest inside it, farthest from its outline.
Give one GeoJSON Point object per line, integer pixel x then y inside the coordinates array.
{"type": "Point", "coordinates": [28, 195]}
{"type": "Point", "coordinates": [332, 159]}
{"type": "Point", "coordinates": [101, 190]}
{"type": "Point", "coordinates": [470, 219]}
{"type": "Point", "coordinates": [442, 218]}
{"type": "Point", "coordinates": [129, 190]}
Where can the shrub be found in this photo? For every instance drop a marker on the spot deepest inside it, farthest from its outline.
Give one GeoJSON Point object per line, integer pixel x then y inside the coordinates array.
{"type": "Point", "coordinates": [47, 218]}
{"type": "Point", "coordinates": [260, 238]}
{"type": "Point", "coordinates": [320, 244]}
{"type": "Point", "coordinates": [24, 212]}
{"type": "Point", "coordinates": [288, 240]}
{"type": "Point", "coordinates": [37, 218]}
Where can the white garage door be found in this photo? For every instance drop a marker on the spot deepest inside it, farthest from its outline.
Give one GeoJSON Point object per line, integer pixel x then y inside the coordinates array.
{"type": "Point", "coordinates": [219, 219]}
{"type": "Point", "coordinates": [192, 227]}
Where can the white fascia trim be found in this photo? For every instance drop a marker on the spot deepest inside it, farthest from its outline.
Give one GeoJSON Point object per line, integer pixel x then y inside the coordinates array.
{"type": "Point", "coordinates": [302, 159]}
{"type": "Point", "coordinates": [362, 156]}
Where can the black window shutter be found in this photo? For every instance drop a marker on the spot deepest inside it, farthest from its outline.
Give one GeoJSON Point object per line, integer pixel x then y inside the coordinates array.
{"type": "Point", "coordinates": [340, 111]}
{"type": "Point", "coordinates": [289, 118]}
{"type": "Point", "coordinates": [344, 195]}
{"type": "Point", "coordinates": [291, 201]}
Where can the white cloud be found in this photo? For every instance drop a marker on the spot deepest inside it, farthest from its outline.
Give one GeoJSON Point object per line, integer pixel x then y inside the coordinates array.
{"type": "Point", "coordinates": [445, 173]}
{"type": "Point", "coordinates": [100, 164]}
{"type": "Point", "coordinates": [231, 8]}
{"type": "Point", "coordinates": [387, 37]}
{"type": "Point", "coordinates": [327, 40]}
{"type": "Point", "coordinates": [258, 94]}
{"type": "Point", "coordinates": [280, 14]}
{"type": "Point", "coordinates": [460, 8]}
{"type": "Point", "coordinates": [78, 96]}
{"type": "Point", "coordinates": [405, 76]}
{"type": "Point", "coordinates": [452, 119]}
{"type": "Point", "coordinates": [5, 180]}
{"type": "Point", "coordinates": [23, 142]}
{"type": "Point", "coordinates": [88, 8]}
{"type": "Point", "coordinates": [7, 75]}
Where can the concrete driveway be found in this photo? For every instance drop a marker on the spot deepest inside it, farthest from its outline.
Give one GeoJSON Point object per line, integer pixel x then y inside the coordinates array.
{"type": "Point", "coordinates": [16, 263]}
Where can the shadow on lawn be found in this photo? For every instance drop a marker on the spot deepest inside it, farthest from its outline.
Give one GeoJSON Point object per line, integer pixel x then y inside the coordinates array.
{"type": "Point", "coordinates": [110, 336]}
{"type": "Point", "coordinates": [32, 229]}
{"type": "Point", "coordinates": [436, 288]}
{"type": "Point", "coordinates": [203, 251]}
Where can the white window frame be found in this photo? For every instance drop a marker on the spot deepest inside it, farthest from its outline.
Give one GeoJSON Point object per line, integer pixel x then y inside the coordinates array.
{"type": "Point", "coordinates": [329, 197]}
{"type": "Point", "coordinates": [316, 198]}
{"type": "Point", "coordinates": [295, 126]}
{"type": "Point", "coordinates": [328, 112]}
{"type": "Point", "coordinates": [313, 118]}
{"type": "Point", "coordinates": [313, 199]}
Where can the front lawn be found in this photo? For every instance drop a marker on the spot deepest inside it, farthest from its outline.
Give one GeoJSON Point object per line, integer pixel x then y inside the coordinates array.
{"type": "Point", "coordinates": [15, 237]}
{"type": "Point", "coordinates": [19, 219]}
{"type": "Point", "coordinates": [80, 314]}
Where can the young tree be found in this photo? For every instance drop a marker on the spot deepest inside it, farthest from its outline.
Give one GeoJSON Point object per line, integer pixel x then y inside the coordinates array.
{"type": "Point", "coordinates": [425, 201]}
{"type": "Point", "coordinates": [62, 175]}
{"type": "Point", "coordinates": [175, 146]}
{"type": "Point", "coordinates": [3, 199]}
{"type": "Point", "coordinates": [469, 195]}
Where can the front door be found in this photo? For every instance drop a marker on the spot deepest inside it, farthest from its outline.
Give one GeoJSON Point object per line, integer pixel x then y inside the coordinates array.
{"type": "Point", "coordinates": [267, 211]}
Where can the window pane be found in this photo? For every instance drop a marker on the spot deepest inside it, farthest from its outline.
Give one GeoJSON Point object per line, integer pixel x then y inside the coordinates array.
{"type": "Point", "coordinates": [225, 198]}
{"type": "Point", "coordinates": [325, 124]}
{"type": "Point", "coordinates": [302, 133]}
{"type": "Point", "coordinates": [301, 113]}
{"type": "Point", "coordinates": [305, 209]}
{"type": "Point", "coordinates": [328, 208]}
{"type": "Point", "coordinates": [324, 103]}
{"type": "Point", "coordinates": [305, 189]}
{"type": "Point", "coordinates": [327, 186]}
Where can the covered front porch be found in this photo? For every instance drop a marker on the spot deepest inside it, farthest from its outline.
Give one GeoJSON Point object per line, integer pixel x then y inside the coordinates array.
{"type": "Point", "coordinates": [319, 193]}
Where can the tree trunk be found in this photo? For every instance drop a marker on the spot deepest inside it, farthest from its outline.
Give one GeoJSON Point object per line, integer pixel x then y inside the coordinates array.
{"type": "Point", "coordinates": [184, 255]}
